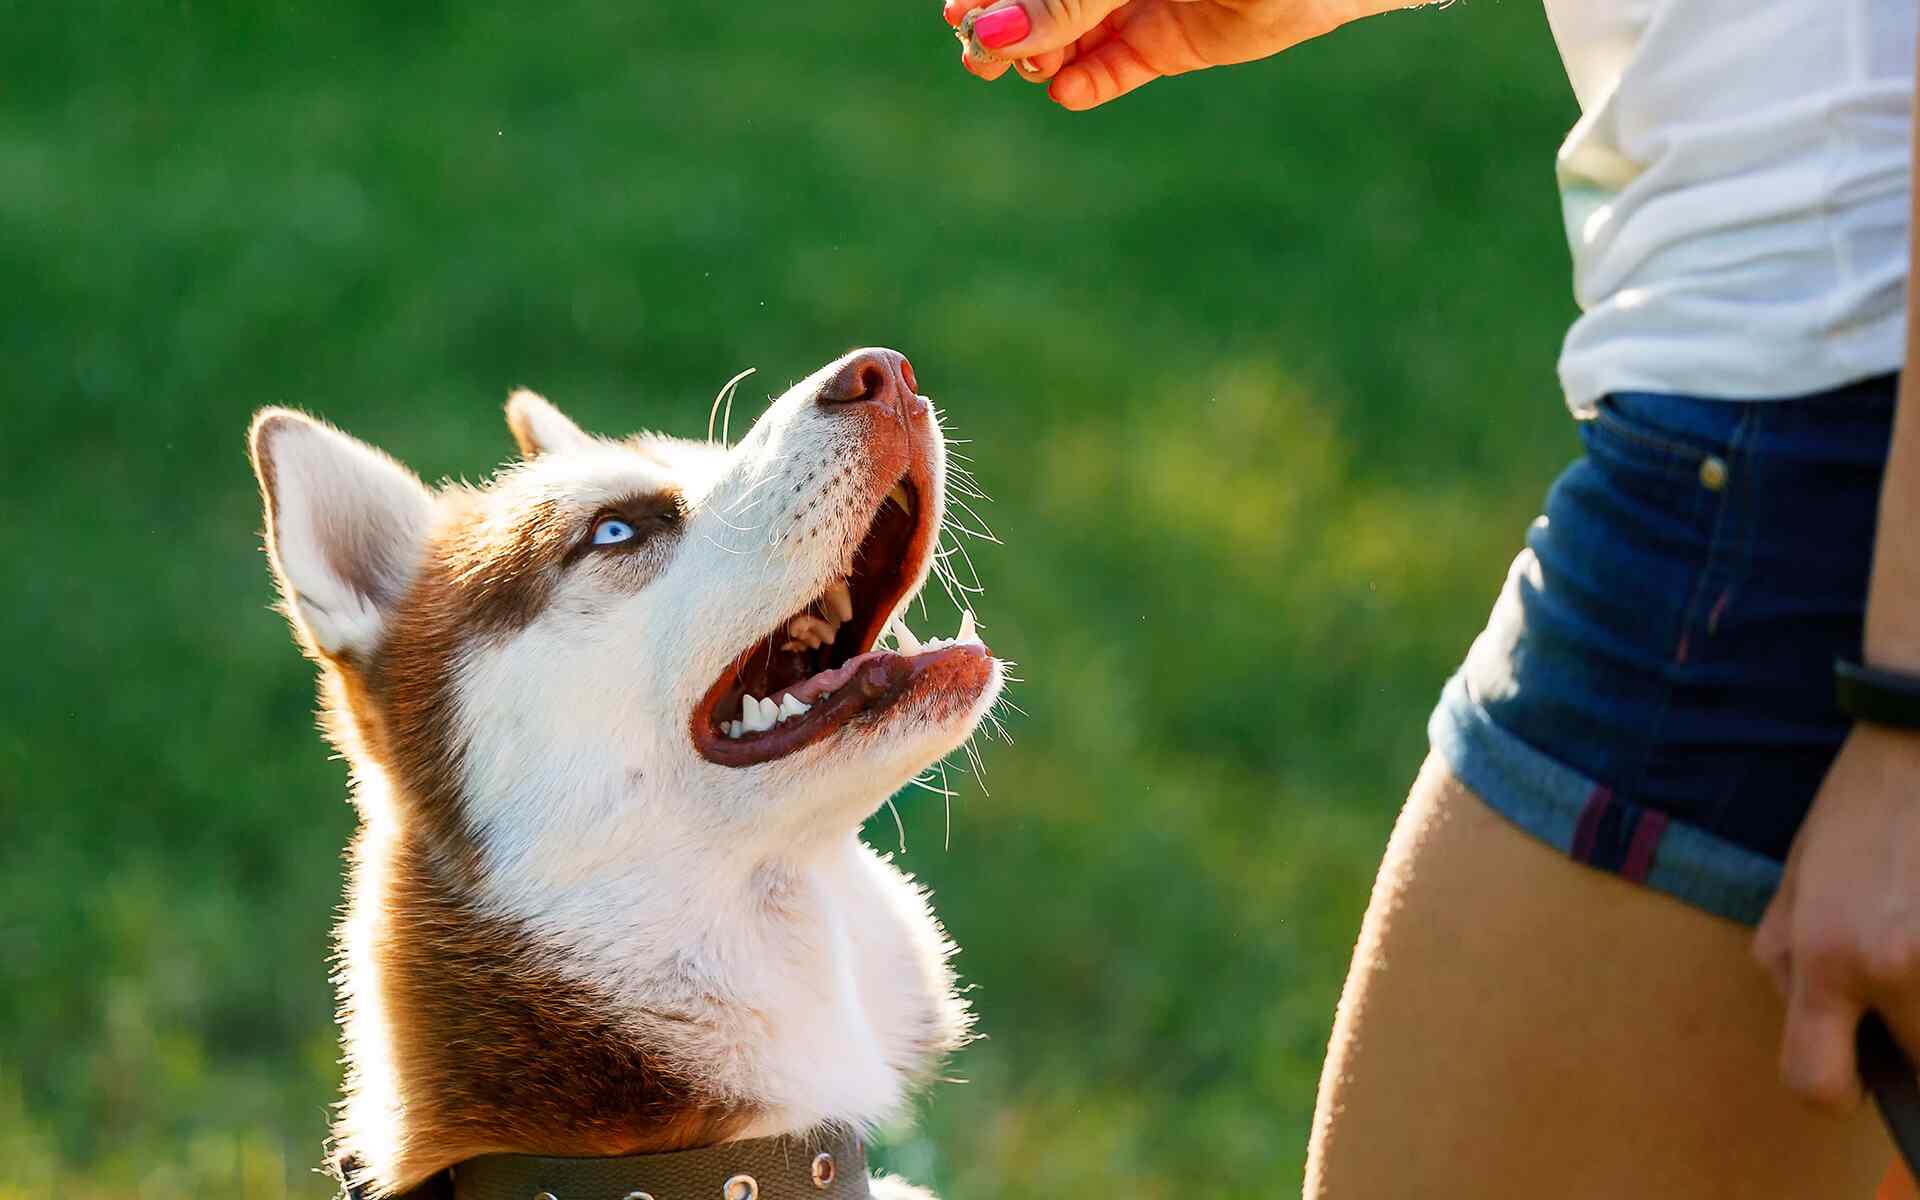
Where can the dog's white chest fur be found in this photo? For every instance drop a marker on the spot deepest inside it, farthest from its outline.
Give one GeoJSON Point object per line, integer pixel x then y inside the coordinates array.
{"type": "Point", "coordinates": [815, 988]}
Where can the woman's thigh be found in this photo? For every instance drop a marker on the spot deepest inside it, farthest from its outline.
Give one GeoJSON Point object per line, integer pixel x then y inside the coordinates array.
{"type": "Point", "coordinates": [1516, 1024]}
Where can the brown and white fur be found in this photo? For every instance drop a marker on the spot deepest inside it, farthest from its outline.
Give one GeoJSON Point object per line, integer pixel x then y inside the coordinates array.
{"type": "Point", "coordinates": [587, 915]}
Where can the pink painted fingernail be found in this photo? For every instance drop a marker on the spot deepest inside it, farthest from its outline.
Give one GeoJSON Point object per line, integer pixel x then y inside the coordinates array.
{"type": "Point", "coordinates": [1002, 27]}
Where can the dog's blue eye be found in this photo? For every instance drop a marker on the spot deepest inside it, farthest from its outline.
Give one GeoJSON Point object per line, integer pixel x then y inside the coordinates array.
{"type": "Point", "coordinates": [612, 531]}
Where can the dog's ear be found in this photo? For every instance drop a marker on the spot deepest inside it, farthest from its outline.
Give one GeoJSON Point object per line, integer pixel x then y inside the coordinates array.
{"type": "Point", "coordinates": [540, 428]}
{"type": "Point", "coordinates": [346, 528]}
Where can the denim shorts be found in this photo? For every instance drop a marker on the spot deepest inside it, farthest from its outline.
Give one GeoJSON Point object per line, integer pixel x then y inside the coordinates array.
{"type": "Point", "coordinates": [1653, 693]}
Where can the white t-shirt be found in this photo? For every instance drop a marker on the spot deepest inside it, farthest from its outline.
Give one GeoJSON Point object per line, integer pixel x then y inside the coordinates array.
{"type": "Point", "coordinates": [1735, 193]}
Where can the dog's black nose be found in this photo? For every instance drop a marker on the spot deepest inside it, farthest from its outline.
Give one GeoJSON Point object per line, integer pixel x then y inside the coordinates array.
{"type": "Point", "coordinates": [873, 376]}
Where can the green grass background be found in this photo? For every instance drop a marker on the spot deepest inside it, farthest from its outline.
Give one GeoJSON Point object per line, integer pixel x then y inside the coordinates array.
{"type": "Point", "coordinates": [1258, 366]}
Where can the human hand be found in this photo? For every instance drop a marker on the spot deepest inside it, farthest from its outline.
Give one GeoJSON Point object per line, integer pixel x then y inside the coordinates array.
{"type": "Point", "coordinates": [1091, 51]}
{"type": "Point", "coordinates": [1843, 934]}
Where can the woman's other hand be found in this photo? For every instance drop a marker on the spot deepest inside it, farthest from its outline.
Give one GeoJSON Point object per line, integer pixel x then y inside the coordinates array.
{"type": "Point", "coordinates": [1090, 51]}
{"type": "Point", "coordinates": [1842, 936]}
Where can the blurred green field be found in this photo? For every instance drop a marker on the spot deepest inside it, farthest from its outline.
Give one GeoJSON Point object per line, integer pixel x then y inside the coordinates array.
{"type": "Point", "coordinates": [1257, 366]}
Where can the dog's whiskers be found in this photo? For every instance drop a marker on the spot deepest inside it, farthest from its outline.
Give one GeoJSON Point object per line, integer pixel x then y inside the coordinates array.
{"type": "Point", "coordinates": [979, 768]}
{"type": "Point", "coordinates": [749, 508]}
{"type": "Point", "coordinates": [769, 477]}
{"type": "Point", "coordinates": [952, 577]}
{"type": "Point", "coordinates": [725, 393]}
{"type": "Point", "coordinates": [985, 537]}
{"type": "Point", "coordinates": [899, 826]}
{"type": "Point", "coordinates": [968, 509]}
{"type": "Point", "coordinates": [965, 488]}
{"type": "Point", "coordinates": [942, 573]}
{"type": "Point", "coordinates": [926, 785]}
{"type": "Point", "coordinates": [978, 588]}
{"type": "Point", "coordinates": [946, 792]}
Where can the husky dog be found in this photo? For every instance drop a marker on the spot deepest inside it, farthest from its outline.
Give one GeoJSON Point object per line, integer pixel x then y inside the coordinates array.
{"type": "Point", "coordinates": [614, 720]}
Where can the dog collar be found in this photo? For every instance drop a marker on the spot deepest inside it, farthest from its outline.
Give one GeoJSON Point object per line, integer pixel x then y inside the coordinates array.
{"type": "Point", "coordinates": [826, 1167]}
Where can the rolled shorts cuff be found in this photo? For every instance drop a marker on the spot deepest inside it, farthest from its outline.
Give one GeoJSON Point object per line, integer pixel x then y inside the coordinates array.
{"type": "Point", "coordinates": [1585, 821]}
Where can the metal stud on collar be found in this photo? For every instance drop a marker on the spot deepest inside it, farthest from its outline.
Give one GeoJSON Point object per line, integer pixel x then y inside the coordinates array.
{"type": "Point", "coordinates": [638, 1196]}
{"type": "Point", "coordinates": [740, 1187]}
{"type": "Point", "coordinates": [822, 1170]}
{"type": "Point", "coordinates": [545, 1196]}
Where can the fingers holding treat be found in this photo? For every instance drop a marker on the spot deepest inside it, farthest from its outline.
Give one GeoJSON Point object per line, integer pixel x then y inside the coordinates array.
{"type": "Point", "coordinates": [1089, 52]}
{"type": "Point", "coordinates": [983, 66]}
{"type": "Point", "coordinates": [982, 30]}
{"type": "Point", "coordinates": [1038, 38]}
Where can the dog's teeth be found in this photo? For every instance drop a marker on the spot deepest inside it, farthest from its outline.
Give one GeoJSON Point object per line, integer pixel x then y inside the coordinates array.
{"type": "Point", "coordinates": [899, 496]}
{"type": "Point", "coordinates": [903, 636]}
{"type": "Point", "coordinates": [789, 707]}
{"type": "Point", "coordinates": [812, 630]}
{"type": "Point", "coordinates": [967, 632]}
{"type": "Point", "coordinates": [733, 729]}
{"type": "Point", "coordinates": [756, 715]}
{"type": "Point", "coordinates": [839, 602]}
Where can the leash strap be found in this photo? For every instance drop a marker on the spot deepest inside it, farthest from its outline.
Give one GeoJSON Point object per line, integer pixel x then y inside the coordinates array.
{"type": "Point", "coordinates": [1890, 1076]}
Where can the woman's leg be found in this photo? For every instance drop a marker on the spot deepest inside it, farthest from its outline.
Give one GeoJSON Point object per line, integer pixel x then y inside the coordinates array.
{"type": "Point", "coordinates": [1898, 1185]}
{"type": "Point", "coordinates": [1516, 1024]}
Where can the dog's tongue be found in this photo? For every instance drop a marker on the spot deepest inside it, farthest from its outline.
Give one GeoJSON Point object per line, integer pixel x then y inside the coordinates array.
{"type": "Point", "coordinates": [864, 682]}
{"type": "Point", "coordinates": [812, 688]}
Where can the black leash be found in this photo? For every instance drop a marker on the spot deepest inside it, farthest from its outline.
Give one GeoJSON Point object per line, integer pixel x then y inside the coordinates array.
{"type": "Point", "coordinates": [1890, 1077]}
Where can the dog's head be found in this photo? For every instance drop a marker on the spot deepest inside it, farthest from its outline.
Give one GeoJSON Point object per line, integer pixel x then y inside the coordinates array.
{"type": "Point", "coordinates": [654, 635]}
{"type": "Point", "coordinates": [615, 717]}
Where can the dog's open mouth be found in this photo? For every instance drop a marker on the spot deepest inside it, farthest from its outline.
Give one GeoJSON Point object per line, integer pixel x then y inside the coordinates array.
{"type": "Point", "coordinates": [819, 669]}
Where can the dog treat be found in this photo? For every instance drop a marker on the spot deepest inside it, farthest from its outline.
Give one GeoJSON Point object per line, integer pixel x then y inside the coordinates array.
{"type": "Point", "coordinates": [975, 50]}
